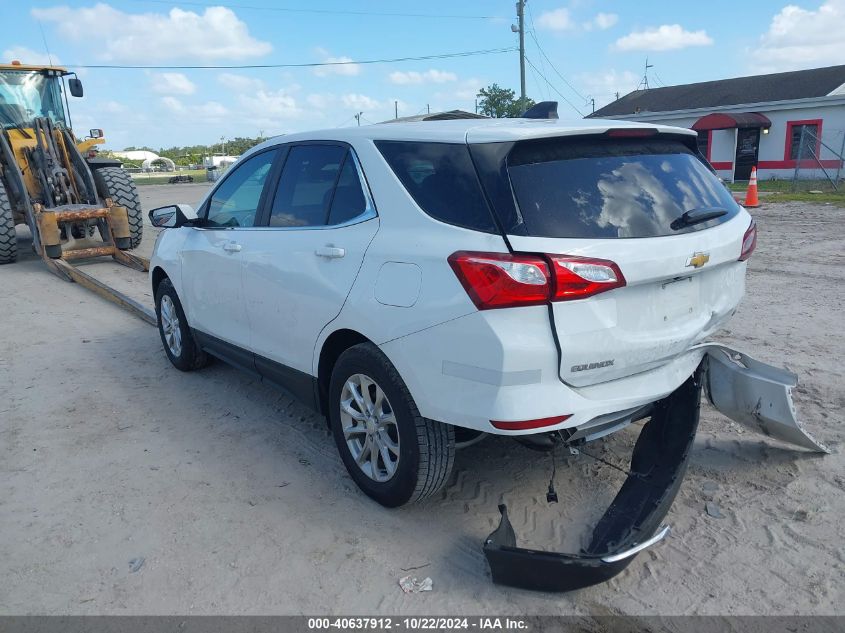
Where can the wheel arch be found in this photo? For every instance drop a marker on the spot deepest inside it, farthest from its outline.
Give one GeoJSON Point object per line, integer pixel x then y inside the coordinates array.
{"type": "Point", "coordinates": [335, 344]}
{"type": "Point", "coordinates": [157, 275]}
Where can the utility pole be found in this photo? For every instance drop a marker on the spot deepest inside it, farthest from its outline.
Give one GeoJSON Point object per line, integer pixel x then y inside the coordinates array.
{"type": "Point", "coordinates": [593, 102]}
{"type": "Point", "coordinates": [428, 108]}
{"type": "Point", "coordinates": [520, 20]}
{"type": "Point", "coordinates": [358, 118]}
{"type": "Point", "coordinates": [395, 109]}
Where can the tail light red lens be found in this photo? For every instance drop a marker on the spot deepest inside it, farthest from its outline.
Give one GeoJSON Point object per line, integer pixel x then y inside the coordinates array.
{"type": "Point", "coordinates": [504, 280]}
{"type": "Point", "coordinates": [624, 132]}
{"type": "Point", "coordinates": [580, 277]}
{"type": "Point", "coordinates": [749, 241]}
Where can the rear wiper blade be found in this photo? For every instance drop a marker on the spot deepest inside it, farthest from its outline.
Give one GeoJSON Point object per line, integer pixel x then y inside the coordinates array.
{"type": "Point", "coordinates": [695, 216]}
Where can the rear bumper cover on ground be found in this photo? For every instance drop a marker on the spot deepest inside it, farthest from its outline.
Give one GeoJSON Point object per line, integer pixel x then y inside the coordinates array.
{"type": "Point", "coordinates": [745, 390]}
{"type": "Point", "coordinates": [633, 520]}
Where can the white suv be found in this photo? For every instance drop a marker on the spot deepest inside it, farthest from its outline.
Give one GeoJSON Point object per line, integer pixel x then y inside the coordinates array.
{"type": "Point", "coordinates": [412, 281]}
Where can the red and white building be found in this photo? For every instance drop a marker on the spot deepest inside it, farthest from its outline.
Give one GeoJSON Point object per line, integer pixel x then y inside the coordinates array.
{"type": "Point", "coordinates": [754, 121]}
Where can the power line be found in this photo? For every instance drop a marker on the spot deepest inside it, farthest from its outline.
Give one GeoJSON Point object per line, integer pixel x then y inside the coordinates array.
{"type": "Point", "coordinates": [488, 51]}
{"type": "Point", "coordinates": [329, 11]}
{"type": "Point", "coordinates": [571, 105]}
{"type": "Point", "coordinates": [538, 84]}
{"type": "Point", "coordinates": [660, 79]}
{"type": "Point", "coordinates": [542, 65]}
{"type": "Point", "coordinates": [554, 68]}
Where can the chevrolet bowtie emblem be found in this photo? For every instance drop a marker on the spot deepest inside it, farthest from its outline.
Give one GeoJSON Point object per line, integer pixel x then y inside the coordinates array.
{"type": "Point", "coordinates": [698, 260]}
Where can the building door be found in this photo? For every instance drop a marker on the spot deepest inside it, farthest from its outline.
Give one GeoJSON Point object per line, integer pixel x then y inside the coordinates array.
{"type": "Point", "coordinates": [747, 147]}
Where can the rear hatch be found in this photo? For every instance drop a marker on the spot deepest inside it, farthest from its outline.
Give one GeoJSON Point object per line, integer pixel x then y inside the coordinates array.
{"type": "Point", "coordinates": [621, 198]}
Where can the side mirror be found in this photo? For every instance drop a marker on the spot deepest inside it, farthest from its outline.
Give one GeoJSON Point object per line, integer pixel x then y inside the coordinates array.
{"type": "Point", "coordinates": [172, 216]}
{"type": "Point", "coordinates": [75, 86]}
{"type": "Point", "coordinates": [95, 133]}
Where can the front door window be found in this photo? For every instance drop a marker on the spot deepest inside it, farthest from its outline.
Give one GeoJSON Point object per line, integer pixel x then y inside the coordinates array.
{"type": "Point", "coordinates": [235, 202]}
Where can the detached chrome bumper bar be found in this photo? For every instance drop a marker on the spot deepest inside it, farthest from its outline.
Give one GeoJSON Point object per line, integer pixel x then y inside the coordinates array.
{"type": "Point", "coordinates": [747, 391]}
{"type": "Point", "coordinates": [636, 549]}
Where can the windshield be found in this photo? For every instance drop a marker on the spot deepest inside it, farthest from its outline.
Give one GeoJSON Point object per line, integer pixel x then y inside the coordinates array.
{"type": "Point", "coordinates": [27, 94]}
{"type": "Point", "coordinates": [613, 188]}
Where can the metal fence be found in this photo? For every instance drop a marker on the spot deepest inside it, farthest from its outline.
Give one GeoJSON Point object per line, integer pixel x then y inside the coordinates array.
{"type": "Point", "coordinates": [818, 165]}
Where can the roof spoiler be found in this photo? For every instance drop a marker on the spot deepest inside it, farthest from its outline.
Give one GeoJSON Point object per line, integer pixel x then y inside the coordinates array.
{"type": "Point", "coordinates": [542, 110]}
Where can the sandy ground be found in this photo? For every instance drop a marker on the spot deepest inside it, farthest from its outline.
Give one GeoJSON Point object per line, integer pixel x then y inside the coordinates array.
{"type": "Point", "coordinates": [236, 499]}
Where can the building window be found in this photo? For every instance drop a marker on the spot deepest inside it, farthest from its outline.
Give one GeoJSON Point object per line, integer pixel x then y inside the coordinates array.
{"type": "Point", "coordinates": [811, 140]}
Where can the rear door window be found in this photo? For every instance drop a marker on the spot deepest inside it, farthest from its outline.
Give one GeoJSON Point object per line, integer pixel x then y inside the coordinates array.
{"type": "Point", "coordinates": [611, 188]}
{"type": "Point", "coordinates": [348, 201]}
{"type": "Point", "coordinates": [442, 181]}
{"type": "Point", "coordinates": [306, 186]}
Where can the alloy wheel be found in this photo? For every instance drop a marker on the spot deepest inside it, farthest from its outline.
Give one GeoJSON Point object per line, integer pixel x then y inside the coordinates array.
{"type": "Point", "coordinates": [369, 427]}
{"type": "Point", "coordinates": [170, 326]}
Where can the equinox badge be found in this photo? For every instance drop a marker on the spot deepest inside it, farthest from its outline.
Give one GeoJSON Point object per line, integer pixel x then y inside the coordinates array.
{"type": "Point", "coordinates": [698, 260]}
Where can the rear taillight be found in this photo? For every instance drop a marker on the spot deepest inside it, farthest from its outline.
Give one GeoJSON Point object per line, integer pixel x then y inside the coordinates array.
{"type": "Point", "coordinates": [579, 277]}
{"type": "Point", "coordinates": [749, 241]}
{"type": "Point", "coordinates": [631, 132]}
{"type": "Point", "coordinates": [503, 280]}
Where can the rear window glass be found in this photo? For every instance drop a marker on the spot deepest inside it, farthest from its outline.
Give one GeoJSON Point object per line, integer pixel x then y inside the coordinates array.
{"type": "Point", "coordinates": [441, 179]}
{"type": "Point", "coordinates": [611, 188]}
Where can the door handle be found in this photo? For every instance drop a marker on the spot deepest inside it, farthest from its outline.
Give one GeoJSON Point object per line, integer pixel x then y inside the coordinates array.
{"type": "Point", "coordinates": [331, 252]}
{"type": "Point", "coordinates": [232, 247]}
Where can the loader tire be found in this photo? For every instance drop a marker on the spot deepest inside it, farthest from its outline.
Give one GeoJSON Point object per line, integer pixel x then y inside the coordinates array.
{"type": "Point", "coordinates": [8, 238]}
{"type": "Point", "coordinates": [117, 184]}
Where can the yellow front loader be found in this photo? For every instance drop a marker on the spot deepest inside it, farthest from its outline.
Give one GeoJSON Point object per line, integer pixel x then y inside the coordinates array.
{"type": "Point", "coordinates": [76, 205]}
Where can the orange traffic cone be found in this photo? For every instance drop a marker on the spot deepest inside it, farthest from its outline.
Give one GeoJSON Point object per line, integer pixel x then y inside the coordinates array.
{"type": "Point", "coordinates": [751, 195]}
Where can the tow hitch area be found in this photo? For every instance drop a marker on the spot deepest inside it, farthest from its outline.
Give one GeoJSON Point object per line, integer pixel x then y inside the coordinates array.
{"type": "Point", "coordinates": [631, 523]}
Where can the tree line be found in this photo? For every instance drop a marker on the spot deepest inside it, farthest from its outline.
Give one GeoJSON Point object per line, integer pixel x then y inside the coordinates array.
{"type": "Point", "coordinates": [185, 155]}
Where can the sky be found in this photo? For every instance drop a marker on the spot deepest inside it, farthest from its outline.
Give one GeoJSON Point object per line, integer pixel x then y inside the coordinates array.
{"type": "Point", "coordinates": [577, 52]}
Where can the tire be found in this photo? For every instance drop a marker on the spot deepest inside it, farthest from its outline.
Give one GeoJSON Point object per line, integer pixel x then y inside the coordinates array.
{"type": "Point", "coordinates": [188, 356]}
{"type": "Point", "coordinates": [8, 238]}
{"type": "Point", "coordinates": [117, 184]}
{"type": "Point", "coordinates": [425, 449]}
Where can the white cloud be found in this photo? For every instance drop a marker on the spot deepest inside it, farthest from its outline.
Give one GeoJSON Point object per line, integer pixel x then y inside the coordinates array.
{"type": "Point", "coordinates": [803, 38]}
{"type": "Point", "coordinates": [208, 110]}
{"type": "Point", "coordinates": [320, 101]}
{"type": "Point", "coordinates": [27, 56]}
{"type": "Point", "coordinates": [240, 83]}
{"type": "Point", "coordinates": [603, 85]}
{"type": "Point", "coordinates": [461, 95]}
{"type": "Point", "coordinates": [359, 102]}
{"type": "Point", "coordinates": [343, 65]}
{"type": "Point", "coordinates": [173, 104]}
{"type": "Point", "coordinates": [556, 20]}
{"type": "Point", "coordinates": [211, 110]}
{"type": "Point", "coordinates": [414, 77]}
{"type": "Point", "coordinates": [666, 37]}
{"type": "Point", "coordinates": [112, 107]}
{"type": "Point", "coordinates": [270, 105]}
{"type": "Point", "coordinates": [215, 34]}
{"type": "Point", "coordinates": [172, 84]}
{"type": "Point", "coordinates": [605, 20]}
